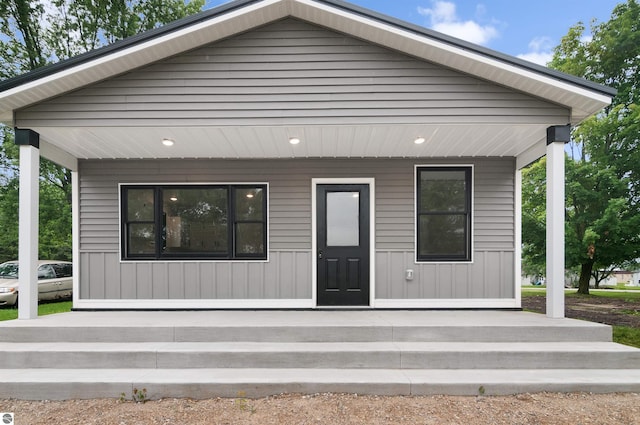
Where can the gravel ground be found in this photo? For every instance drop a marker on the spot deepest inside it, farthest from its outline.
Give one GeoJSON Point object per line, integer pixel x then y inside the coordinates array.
{"type": "Point", "coordinates": [337, 409]}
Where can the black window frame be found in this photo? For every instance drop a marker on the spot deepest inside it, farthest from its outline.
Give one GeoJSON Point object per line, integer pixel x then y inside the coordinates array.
{"type": "Point", "coordinates": [159, 253]}
{"type": "Point", "coordinates": [468, 214]}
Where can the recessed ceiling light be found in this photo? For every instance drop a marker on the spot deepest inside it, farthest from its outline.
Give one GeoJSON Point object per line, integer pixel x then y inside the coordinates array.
{"type": "Point", "coordinates": [167, 142]}
{"type": "Point", "coordinates": [173, 198]}
{"type": "Point", "coordinates": [419, 140]}
{"type": "Point", "coordinates": [249, 195]}
{"type": "Point", "coordinates": [294, 140]}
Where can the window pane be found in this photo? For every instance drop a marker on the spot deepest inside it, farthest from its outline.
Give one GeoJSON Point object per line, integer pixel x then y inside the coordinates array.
{"type": "Point", "coordinates": [442, 191]}
{"type": "Point", "coordinates": [139, 204]}
{"type": "Point", "coordinates": [343, 219]}
{"type": "Point", "coordinates": [249, 204]}
{"type": "Point", "coordinates": [142, 239]}
{"type": "Point", "coordinates": [62, 270]}
{"type": "Point", "coordinates": [442, 235]}
{"type": "Point", "coordinates": [46, 272]}
{"type": "Point", "coordinates": [249, 238]}
{"type": "Point", "coordinates": [195, 220]}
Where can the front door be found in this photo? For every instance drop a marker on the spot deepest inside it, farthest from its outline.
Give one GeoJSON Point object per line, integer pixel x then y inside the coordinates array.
{"type": "Point", "coordinates": [343, 244]}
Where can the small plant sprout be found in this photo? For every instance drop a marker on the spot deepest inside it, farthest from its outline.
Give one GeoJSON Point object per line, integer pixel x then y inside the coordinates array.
{"type": "Point", "coordinates": [137, 396]}
{"type": "Point", "coordinates": [243, 404]}
{"type": "Point", "coordinates": [140, 396]}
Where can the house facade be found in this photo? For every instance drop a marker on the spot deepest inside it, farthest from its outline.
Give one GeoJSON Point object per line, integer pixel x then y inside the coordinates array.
{"type": "Point", "coordinates": [295, 154]}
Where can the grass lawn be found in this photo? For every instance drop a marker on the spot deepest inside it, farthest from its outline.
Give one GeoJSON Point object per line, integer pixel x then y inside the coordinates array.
{"type": "Point", "coordinates": [626, 335]}
{"type": "Point", "coordinates": [43, 310]}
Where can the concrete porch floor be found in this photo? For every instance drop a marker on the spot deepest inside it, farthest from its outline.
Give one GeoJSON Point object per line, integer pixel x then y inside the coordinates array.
{"type": "Point", "coordinates": [202, 354]}
{"type": "Point", "coordinates": [383, 319]}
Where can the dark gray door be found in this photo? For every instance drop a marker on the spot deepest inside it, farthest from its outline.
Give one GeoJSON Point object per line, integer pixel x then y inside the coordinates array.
{"type": "Point", "coordinates": [343, 244]}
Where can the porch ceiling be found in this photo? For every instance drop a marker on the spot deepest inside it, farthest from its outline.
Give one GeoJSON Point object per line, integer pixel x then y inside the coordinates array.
{"type": "Point", "coordinates": [367, 141]}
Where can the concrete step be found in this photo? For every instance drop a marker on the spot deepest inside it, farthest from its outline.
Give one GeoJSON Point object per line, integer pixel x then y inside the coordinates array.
{"type": "Point", "coordinates": [302, 326]}
{"type": "Point", "coordinates": [61, 384]}
{"type": "Point", "coordinates": [350, 355]}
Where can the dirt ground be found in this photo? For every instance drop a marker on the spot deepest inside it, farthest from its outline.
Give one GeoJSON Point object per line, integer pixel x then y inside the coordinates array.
{"type": "Point", "coordinates": [339, 409]}
{"type": "Point", "coordinates": [613, 312]}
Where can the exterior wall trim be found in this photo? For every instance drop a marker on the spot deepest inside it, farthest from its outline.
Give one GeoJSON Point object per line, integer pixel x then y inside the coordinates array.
{"type": "Point", "coordinates": [448, 303]}
{"type": "Point", "coordinates": [518, 236]}
{"type": "Point", "coordinates": [75, 235]}
{"type": "Point", "coordinates": [157, 304]}
{"type": "Point", "coordinates": [372, 233]}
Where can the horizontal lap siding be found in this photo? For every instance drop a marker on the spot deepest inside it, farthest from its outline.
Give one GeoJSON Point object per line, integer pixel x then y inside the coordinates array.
{"type": "Point", "coordinates": [289, 72]}
{"type": "Point", "coordinates": [288, 273]}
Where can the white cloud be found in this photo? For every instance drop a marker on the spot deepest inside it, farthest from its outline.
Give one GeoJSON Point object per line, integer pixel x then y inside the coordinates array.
{"type": "Point", "coordinates": [540, 51]}
{"type": "Point", "coordinates": [443, 18]}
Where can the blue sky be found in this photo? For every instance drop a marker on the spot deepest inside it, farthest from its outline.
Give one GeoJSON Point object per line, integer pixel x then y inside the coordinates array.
{"type": "Point", "coordinates": [524, 28]}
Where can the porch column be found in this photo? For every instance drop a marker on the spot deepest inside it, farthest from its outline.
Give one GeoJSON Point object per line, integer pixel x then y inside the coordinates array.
{"type": "Point", "coordinates": [29, 142]}
{"type": "Point", "coordinates": [557, 136]}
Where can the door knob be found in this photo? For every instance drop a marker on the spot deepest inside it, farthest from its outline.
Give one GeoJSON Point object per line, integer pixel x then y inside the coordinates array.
{"type": "Point", "coordinates": [320, 254]}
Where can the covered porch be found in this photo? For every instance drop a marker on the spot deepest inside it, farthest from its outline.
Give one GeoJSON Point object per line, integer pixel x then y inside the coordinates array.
{"type": "Point", "coordinates": [230, 90]}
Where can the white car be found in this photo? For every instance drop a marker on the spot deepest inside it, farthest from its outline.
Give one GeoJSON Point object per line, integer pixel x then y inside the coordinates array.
{"type": "Point", "coordinates": [54, 281]}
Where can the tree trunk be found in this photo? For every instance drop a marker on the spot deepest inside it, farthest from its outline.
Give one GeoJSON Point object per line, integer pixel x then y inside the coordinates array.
{"type": "Point", "coordinates": [585, 276]}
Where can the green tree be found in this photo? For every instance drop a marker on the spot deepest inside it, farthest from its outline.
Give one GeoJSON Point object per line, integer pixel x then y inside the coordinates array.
{"type": "Point", "coordinates": [32, 36]}
{"type": "Point", "coordinates": [603, 174]}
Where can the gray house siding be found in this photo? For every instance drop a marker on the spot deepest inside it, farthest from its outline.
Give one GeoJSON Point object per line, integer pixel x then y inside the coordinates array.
{"type": "Point", "coordinates": [288, 272]}
{"type": "Point", "coordinates": [292, 73]}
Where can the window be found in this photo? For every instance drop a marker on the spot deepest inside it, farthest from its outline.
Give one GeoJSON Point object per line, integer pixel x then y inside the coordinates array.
{"type": "Point", "coordinates": [46, 272]}
{"type": "Point", "coordinates": [63, 269]}
{"type": "Point", "coordinates": [443, 216]}
{"type": "Point", "coordinates": [196, 221]}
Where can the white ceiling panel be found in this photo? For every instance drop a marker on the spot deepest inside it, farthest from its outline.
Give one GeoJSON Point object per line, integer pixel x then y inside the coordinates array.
{"type": "Point", "coordinates": [369, 141]}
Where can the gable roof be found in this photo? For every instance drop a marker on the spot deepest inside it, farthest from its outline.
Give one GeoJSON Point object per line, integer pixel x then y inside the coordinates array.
{"type": "Point", "coordinates": [582, 96]}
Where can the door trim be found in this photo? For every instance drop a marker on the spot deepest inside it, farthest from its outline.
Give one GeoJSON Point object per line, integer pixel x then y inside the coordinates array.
{"type": "Point", "coordinates": [370, 181]}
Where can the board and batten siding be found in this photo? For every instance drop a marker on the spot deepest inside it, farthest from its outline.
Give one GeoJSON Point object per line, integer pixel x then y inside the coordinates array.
{"type": "Point", "coordinates": [288, 274]}
{"type": "Point", "coordinates": [289, 73]}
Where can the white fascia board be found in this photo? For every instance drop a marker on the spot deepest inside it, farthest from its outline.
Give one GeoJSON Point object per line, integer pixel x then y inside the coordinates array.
{"type": "Point", "coordinates": [143, 54]}
{"type": "Point", "coordinates": [308, 9]}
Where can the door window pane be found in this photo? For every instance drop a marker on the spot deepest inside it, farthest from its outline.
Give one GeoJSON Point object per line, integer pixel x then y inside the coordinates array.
{"type": "Point", "coordinates": [343, 219]}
